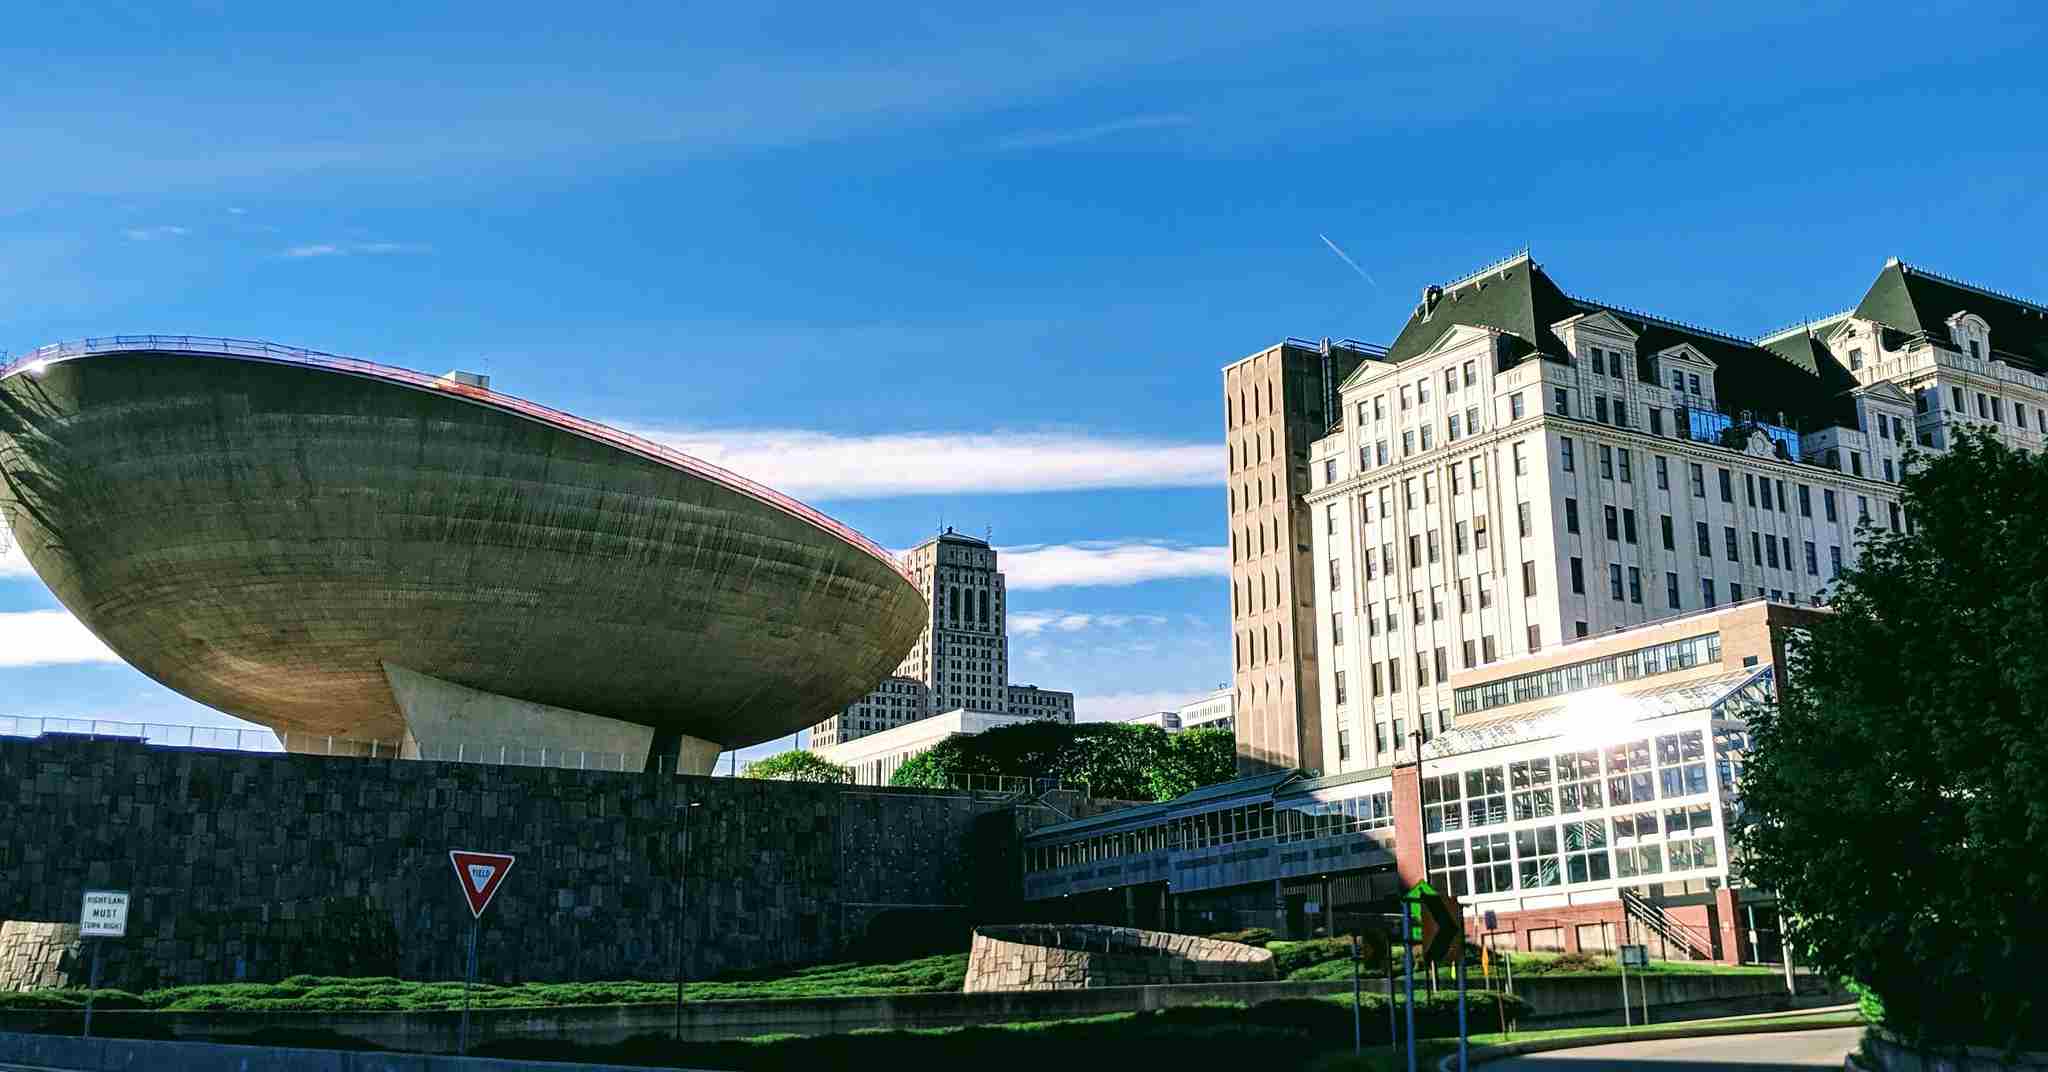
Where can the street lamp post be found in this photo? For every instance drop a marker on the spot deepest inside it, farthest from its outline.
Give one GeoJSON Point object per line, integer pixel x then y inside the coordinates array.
{"type": "Point", "coordinates": [682, 870]}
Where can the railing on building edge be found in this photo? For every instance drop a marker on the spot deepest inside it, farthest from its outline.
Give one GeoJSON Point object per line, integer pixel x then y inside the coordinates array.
{"type": "Point", "coordinates": [35, 360]}
{"type": "Point", "coordinates": [166, 735]}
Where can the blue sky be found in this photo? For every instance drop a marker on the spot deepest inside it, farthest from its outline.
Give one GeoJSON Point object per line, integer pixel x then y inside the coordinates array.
{"type": "Point", "coordinates": [864, 254]}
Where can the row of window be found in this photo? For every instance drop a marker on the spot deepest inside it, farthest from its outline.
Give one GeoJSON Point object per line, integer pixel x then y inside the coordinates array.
{"type": "Point", "coordinates": [1289, 822]}
{"type": "Point", "coordinates": [1592, 673]}
{"type": "Point", "coordinates": [1546, 856]}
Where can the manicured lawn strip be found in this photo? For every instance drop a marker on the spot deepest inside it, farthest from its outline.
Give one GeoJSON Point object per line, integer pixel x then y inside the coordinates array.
{"type": "Point", "coordinates": [1434, 1049]}
{"type": "Point", "coordinates": [929, 975]}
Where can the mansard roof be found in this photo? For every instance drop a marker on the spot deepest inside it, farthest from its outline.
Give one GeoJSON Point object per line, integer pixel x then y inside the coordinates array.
{"type": "Point", "coordinates": [1916, 301]}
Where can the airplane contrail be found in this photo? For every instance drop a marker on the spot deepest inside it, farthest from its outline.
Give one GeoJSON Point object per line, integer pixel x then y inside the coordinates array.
{"type": "Point", "coordinates": [1347, 260]}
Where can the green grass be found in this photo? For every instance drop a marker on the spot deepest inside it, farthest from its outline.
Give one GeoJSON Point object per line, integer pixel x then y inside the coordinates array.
{"type": "Point", "coordinates": [1321, 959]}
{"type": "Point", "coordinates": [936, 974]}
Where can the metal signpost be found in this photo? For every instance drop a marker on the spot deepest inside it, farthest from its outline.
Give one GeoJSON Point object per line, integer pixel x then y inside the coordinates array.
{"type": "Point", "coordinates": [1435, 924]}
{"type": "Point", "coordinates": [1636, 956]}
{"type": "Point", "coordinates": [479, 874]}
{"type": "Point", "coordinates": [102, 915]}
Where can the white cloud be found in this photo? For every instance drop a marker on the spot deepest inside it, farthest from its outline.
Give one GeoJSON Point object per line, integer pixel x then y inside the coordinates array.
{"type": "Point", "coordinates": [151, 234]}
{"type": "Point", "coordinates": [13, 563]}
{"type": "Point", "coordinates": [821, 466]}
{"type": "Point", "coordinates": [1053, 139]}
{"type": "Point", "coordinates": [49, 637]}
{"type": "Point", "coordinates": [1107, 563]}
{"type": "Point", "coordinates": [1031, 623]}
{"type": "Point", "coordinates": [1113, 706]}
{"type": "Point", "coordinates": [352, 249]}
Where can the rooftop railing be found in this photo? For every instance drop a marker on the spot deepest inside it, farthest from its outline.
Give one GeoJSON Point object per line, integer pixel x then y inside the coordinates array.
{"type": "Point", "coordinates": [497, 753]}
{"type": "Point", "coordinates": [34, 361]}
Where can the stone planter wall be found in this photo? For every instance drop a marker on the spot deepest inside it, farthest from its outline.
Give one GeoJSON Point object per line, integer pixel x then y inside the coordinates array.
{"type": "Point", "coordinates": [38, 955]}
{"type": "Point", "coordinates": [1058, 957]}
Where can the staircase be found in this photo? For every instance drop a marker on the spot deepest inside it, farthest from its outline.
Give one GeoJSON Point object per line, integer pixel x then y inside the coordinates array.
{"type": "Point", "coordinates": [1692, 942]}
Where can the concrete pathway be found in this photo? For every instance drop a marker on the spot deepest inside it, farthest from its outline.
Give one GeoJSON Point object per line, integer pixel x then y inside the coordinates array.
{"type": "Point", "coordinates": [1781, 1052]}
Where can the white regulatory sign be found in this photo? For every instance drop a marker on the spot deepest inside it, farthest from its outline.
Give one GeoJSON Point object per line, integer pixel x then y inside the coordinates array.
{"type": "Point", "coordinates": [1635, 956]}
{"type": "Point", "coordinates": [104, 914]}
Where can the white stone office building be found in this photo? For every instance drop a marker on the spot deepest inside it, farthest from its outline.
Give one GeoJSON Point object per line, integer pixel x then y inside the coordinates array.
{"type": "Point", "coordinates": [1525, 468]}
{"type": "Point", "coordinates": [961, 660]}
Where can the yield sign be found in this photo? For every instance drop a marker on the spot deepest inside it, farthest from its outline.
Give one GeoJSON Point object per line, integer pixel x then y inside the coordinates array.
{"type": "Point", "coordinates": [1437, 924]}
{"type": "Point", "coordinates": [480, 874]}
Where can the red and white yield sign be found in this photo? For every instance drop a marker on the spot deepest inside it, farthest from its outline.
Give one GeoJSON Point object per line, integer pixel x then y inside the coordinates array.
{"type": "Point", "coordinates": [480, 873]}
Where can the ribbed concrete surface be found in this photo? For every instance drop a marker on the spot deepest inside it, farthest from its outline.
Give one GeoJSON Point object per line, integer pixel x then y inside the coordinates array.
{"type": "Point", "coordinates": [263, 537]}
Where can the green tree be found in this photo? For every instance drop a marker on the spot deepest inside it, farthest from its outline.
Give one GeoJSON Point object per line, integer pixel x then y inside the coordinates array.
{"type": "Point", "coordinates": [1115, 761]}
{"type": "Point", "coordinates": [797, 765]}
{"type": "Point", "coordinates": [1897, 798]}
{"type": "Point", "coordinates": [1192, 759]}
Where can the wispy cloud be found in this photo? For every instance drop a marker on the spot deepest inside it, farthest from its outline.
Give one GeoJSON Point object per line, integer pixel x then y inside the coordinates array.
{"type": "Point", "coordinates": [153, 234]}
{"type": "Point", "coordinates": [1107, 563]}
{"type": "Point", "coordinates": [48, 638]}
{"type": "Point", "coordinates": [355, 249]}
{"type": "Point", "coordinates": [1053, 139]}
{"type": "Point", "coordinates": [1031, 623]}
{"type": "Point", "coordinates": [821, 466]}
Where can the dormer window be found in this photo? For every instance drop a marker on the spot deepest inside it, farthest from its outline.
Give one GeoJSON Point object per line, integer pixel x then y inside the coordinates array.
{"type": "Point", "coordinates": [1976, 350]}
{"type": "Point", "coordinates": [1599, 362]}
{"type": "Point", "coordinates": [1678, 379]}
{"type": "Point", "coordinates": [1692, 383]}
{"type": "Point", "coordinates": [1856, 356]}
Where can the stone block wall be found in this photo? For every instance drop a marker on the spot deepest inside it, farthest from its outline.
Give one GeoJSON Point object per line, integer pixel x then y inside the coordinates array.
{"type": "Point", "coordinates": [1078, 957]}
{"type": "Point", "coordinates": [36, 955]}
{"type": "Point", "coordinates": [257, 866]}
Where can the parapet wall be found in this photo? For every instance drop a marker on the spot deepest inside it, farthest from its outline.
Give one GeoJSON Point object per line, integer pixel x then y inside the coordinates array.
{"type": "Point", "coordinates": [259, 866]}
{"type": "Point", "coordinates": [1064, 957]}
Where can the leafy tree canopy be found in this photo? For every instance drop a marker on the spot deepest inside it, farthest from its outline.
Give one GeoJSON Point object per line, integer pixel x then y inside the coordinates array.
{"type": "Point", "coordinates": [798, 765]}
{"type": "Point", "coordinates": [1116, 761]}
{"type": "Point", "coordinates": [1897, 798]}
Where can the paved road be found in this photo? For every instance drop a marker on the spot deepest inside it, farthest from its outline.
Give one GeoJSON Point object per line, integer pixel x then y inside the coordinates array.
{"type": "Point", "coordinates": [1785, 1052]}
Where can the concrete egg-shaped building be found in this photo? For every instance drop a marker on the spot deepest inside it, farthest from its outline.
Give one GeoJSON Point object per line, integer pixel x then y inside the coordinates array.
{"type": "Point", "coordinates": [334, 548]}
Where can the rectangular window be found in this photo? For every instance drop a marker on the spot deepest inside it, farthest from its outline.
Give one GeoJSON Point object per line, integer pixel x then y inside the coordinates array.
{"type": "Point", "coordinates": [1706, 591]}
{"type": "Point", "coordinates": [1565, 455]}
{"type": "Point", "coordinates": [1561, 402]}
{"type": "Point", "coordinates": [1599, 361]}
{"type": "Point", "coordinates": [1834, 562]}
{"type": "Point", "coordinates": [1771, 552]}
{"type": "Point", "coordinates": [1341, 697]}
{"type": "Point", "coordinates": [1628, 525]}
{"type": "Point", "coordinates": [1486, 648]}
{"type": "Point", "coordinates": [1460, 537]}
{"type": "Point", "coordinates": [1671, 589]}
{"type": "Point", "coordinates": [1393, 675]}
{"type": "Point", "coordinates": [1451, 428]}
{"type": "Point", "coordinates": [1600, 408]}
{"type": "Point", "coordinates": [1613, 524]}
{"type": "Point", "coordinates": [1628, 475]}
{"type": "Point", "coordinates": [1478, 476]}
{"type": "Point", "coordinates": [1635, 585]}
{"type": "Point", "coordinates": [1734, 548]}
{"type": "Point", "coordinates": [1578, 576]}
{"type": "Point", "coordinates": [1535, 638]}
{"type": "Point", "coordinates": [1571, 516]}
{"type": "Point", "coordinates": [1336, 630]}
{"type": "Point", "coordinates": [1528, 579]}
{"type": "Point", "coordinates": [1414, 550]}
{"type": "Point", "coordinates": [1812, 560]}
{"type": "Point", "coordinates": [1805, 501]}
{"type": "Point", "coordinates": [1464, 598]}
{"type": "Point", "coordinates": [1522, 519]}
{"type": "Point", "coordinates": [1699, 481]}
{"type": "Point", "coordinates": [1702, 539]}
{"type": "Point", "coordinates": [1469, 374]}
{"type": "Point", "coordinates": [1756, 548]}
{"type": "Point", "coordinates": [1663, 474]}
{"type": "Point", "coordinates": [1436, 543]}
{"type": "Point", "coordinates": [1664, 524]}
{"type": "Point", "coordinates": [1407, 443]}
{"type": "Point", "coordinates": [1336, 576]}
{"type": "Point", "coordinates": [1727, 487]}
{"type": "Point", "coordinates": [1450, 381]}
{"type": "Point", "coordinates": [1521, 466]}
{"type": "Point", "coordinates": [1330, 519]}
{"type": "Point", "coordinates": [1515, 406]}
{"type": "Point", "coordinates": [1614, 582]}
{"type": "Point", "coordinates": [1606, 462]}
{"type": "Point", "coordinates": [1422, 389]}
{"type": "Point", "coordinates": [1734, 592]}
{"type": "Point", "coordinates": [1479, 532]}
{"type": "Point", "coordinates": [1467, 655]}
{"type": "Point", "coordinates": [1656, 421]}
{"type": "Point", "coordinates": [1620, 412]}
{"type": "Point", "coordinates": [1692, 384]}
{"type": "Point", "coordinates": [1749, 485]}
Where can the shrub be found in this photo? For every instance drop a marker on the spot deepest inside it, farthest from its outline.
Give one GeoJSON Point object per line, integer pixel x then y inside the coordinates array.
{"type": "Point", "coordinates": [1564, 964]}
{"type": "Point", "coordinates": [1257, 936]}
{"type": "Point", "coordinates": [1295, 956]}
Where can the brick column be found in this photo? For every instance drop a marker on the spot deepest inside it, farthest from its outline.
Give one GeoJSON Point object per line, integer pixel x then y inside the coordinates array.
{"type": "Point", "coordinates": [1408, 859]}
{"type": "Point", "coordinates": [1727, 921]}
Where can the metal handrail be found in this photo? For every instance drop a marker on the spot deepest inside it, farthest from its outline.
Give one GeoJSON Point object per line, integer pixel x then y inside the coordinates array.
{"type": "Point", "coordinates": [172, 735]}
{"type": "Point", "coordinates": [34, 361]}
{"type": "Point", "coordinates": [1695, 942]}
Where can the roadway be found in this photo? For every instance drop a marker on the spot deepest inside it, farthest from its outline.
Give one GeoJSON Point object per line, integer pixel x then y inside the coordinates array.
{"type": "Point", "coordinates": [1789, 1051]}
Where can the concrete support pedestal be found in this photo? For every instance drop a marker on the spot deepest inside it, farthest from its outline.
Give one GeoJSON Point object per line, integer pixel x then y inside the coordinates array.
{"type": "Point", "coordinates": [447, 721]}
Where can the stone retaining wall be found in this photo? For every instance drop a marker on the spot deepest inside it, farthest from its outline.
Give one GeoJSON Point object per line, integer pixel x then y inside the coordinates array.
{"type": "Point", "coordinates": [252, 866]}
{"type": "Point", "coordinates": [37, 955]}
{"type": "Point", "coordinates": [1057, 957]}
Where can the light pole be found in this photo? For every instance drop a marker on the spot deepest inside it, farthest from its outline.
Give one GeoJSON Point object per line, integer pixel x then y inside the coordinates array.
{"type": "Point", "coordinates": [682, 870]}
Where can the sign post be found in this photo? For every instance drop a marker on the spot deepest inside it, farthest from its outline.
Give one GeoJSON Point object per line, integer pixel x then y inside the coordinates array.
{"type": "Point", "coordinates": [1636, 956]}
{"type": "Point", "coordinates": [1434, 923]}
{"type": "Point", "coordinates": [103, 914]}
{"type": "Point", "coordinates": [479, 874]}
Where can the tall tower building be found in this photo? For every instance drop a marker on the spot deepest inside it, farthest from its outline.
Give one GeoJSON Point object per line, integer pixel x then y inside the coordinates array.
{"type": "Point", "coordinates": [961, 660]}
{"type": "Point", "coordinates": [1275, 403]}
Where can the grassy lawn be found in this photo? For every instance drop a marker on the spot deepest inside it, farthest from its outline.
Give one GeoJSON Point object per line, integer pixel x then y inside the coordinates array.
{"type": "Point", "coordinates": [1320, 959]}
{"type": "Point", "coordinates": [937, 974]}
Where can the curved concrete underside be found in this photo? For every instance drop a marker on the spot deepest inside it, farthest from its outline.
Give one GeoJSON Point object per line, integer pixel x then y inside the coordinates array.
{"type": "Point", "coordinates": [265, 537]}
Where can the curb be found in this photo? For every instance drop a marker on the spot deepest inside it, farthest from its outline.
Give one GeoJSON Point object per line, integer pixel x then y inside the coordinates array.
{"type": "Point", "coordinates": [1482, 1054]}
